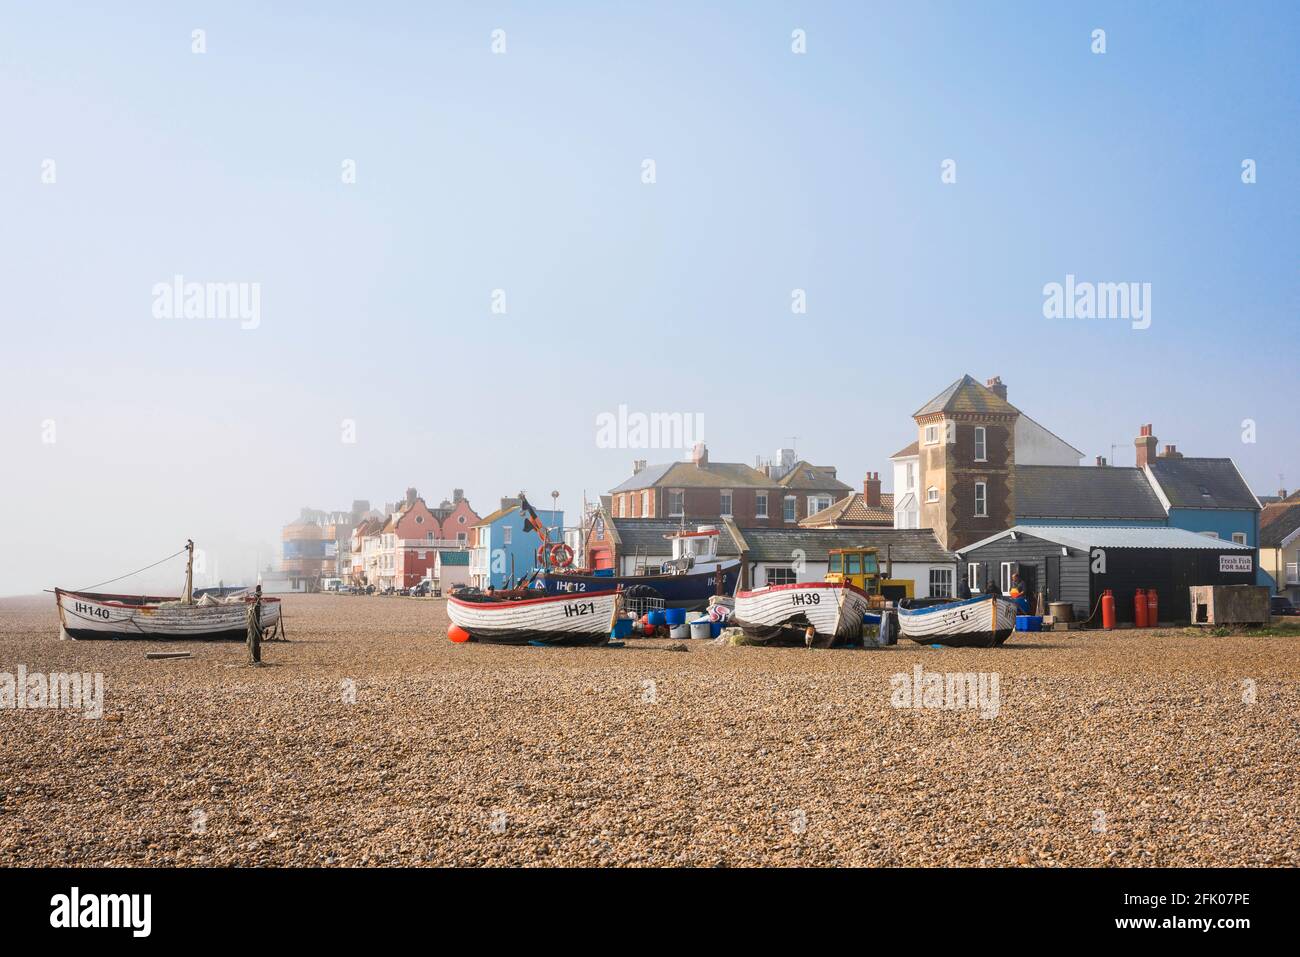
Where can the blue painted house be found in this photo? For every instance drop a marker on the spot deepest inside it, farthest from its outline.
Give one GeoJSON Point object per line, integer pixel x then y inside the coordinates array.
{"type": "Point", "coordinates": [503, 550]}
{"type": "Point", "coordinates": [1207, 496]}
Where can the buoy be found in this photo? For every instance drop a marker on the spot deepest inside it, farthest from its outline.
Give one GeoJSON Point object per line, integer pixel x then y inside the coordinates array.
{"type": "Point", "coordinates": [457, 633]}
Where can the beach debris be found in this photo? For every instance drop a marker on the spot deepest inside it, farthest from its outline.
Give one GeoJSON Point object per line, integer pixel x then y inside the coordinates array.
{"type": "Point", "coordinates": [162, 655]}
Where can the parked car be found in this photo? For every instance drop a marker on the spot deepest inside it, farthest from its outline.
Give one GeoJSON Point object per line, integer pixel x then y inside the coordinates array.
{"type": "Point", "coordinates": [1281, 605]}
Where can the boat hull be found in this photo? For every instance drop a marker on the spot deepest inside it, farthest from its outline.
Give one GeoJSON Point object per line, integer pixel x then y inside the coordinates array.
{"type": "Point", "coordinates": [690, 591]}
{"type": "Point", "coordinates": [975, 622]}
{"type": "Point", "coordinates": [552, 620]}
{"type": "Point", "coordinates": [92, 616]}
{"type": "Point", "coordinates": [782, 614]}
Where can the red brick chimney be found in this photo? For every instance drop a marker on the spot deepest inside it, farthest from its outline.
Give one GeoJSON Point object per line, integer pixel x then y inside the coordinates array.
{"type": "Point", "coordinates": [996, 387]}
{"type": "Point", "coordinates": [700, 454]}
{"type": "Point", "coordinates": [1101, 461]}
{"type": "Point", "coordinates": [1171, 452]}
{"type": "Point", "coordinates": [871, 489]}
{"type": "Point", "coordinates": [1146, 446]}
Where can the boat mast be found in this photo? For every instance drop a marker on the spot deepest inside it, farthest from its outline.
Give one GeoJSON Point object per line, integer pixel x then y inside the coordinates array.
{"type": "Point", "coordinates": [187, 597]}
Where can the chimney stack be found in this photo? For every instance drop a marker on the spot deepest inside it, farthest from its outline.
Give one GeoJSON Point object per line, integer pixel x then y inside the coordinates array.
{"type": "Point", "coordinates": [1171, 452]}
{"type": "Point", "coordinates": [638, 466]}
{"type": "Point", "coordinates": [1146, 446]}
{"type": "Point", "coordinates": [996, 387]}
{"type": "Point", "coordinates": [700, 454]}
{"type": "Point", "coordinates": [871, 489]}
{"type": "Point", "coordinates": [1281, 494]}
{"type": "Point", "coordinates": [411, 496]}
{"type": "Point", "coordinates": [457, 495]}
{"type": "Point", "coordinates": [1101, 461]}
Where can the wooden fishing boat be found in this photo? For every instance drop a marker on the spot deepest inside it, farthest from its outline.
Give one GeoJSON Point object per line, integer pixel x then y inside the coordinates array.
{"type": "Point", "coordinates": [548, 619]}
{"type": "Point", "coordinates": [815, 614]}
{"type": "Point", "coordinates": [89, 615]}
{"type": "Point", "coordinates": [983, 621]}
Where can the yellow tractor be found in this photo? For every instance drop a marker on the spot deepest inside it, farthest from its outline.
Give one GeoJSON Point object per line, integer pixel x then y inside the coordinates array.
{"type": "Point", "coordinates": [861, 567]}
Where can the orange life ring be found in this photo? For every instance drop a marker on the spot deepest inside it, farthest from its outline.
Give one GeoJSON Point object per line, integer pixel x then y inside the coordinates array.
{"type": "Point", "coordinates": [561, 555]}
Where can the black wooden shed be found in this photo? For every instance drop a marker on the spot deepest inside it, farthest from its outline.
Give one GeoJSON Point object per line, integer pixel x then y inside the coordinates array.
{"type": "Point", "coordinates": [1078, 563]}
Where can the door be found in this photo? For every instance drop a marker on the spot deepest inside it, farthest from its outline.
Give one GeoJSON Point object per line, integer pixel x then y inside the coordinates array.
{"type": "Point", "coordinates": [1053, 579]}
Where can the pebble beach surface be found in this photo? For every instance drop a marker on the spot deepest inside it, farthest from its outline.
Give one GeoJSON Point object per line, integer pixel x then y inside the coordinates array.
{"type": "Point", "coordinates": [369, 739]}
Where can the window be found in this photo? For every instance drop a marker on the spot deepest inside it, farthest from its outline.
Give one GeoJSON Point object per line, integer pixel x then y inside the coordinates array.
{"type": "Point", "coordinates": [932, 494]}
{"type": "Point", "coordinates": [461, 519]}
{"type": "Point", "coordinates": [818, 502]}
{"type": "Point", "coordinates": [461, 537]}
{"type": "Point", "coordinates": [419, 520]}
{"type": "Point", "coordinates": [505, 535]}
{"type": "Point", "coordinates": [981, 444]}
{"type": "Point", "coordinates": [1008, 568]}
{"type": "Point", "coordinates": [940, 582]}
{"type": "Point", "coordinates": [789, 510]}
{"type": "Point", "coordinates": [973, 577]}
{"type": "Point", "coordinates": [618, 506]}
{"type": "Point", "coordinates": [1239, 538]}
{"type": "Point", "coordinates": [981, 499]}
{"type": "Point", "coordinates": [911, 476]}
{"type": "Point", "coordinates": [760, 505]}
{"type": "Point", "coordinates": [676, 502]}
{"type": "Point", "coordinates": [726, 502]}
{"type": "Point", "coordinates": [780, 575]}
{"type": "Point", "coordinates": [931, 435]}
{"type": "Point", "coordinates": [645, 503]}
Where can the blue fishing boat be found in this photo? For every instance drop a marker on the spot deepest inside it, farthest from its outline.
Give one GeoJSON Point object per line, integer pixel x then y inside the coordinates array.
{"type": "Point", "coordinates": [687, 580]}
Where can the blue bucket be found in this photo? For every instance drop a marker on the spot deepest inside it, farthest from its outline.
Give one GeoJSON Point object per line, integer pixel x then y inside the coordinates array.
{"type": "Point", "coordinates": [675, 616]}
{"type": "Point", "coordinates": [622, 628]}
{"type": "Point", "coordinates": [658, 617]}
{"type": "Point", "coordinates": [1029, 622]}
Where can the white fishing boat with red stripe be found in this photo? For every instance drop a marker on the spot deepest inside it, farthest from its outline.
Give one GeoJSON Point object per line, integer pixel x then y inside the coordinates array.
{"type": "Point", "coordinates": [513, 619]}
{"type": "Point", "coordinates": [815, 614]}
{"type": "Point", "coordinates": [87, 615]}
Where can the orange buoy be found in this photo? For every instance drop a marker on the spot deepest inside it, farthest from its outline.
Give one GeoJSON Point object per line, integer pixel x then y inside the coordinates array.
{"type": "Point", "coordinates": [457, 633]}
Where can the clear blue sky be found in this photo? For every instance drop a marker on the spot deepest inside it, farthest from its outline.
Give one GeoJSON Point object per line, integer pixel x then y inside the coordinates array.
{"type": "Point", "coordinates": [522, 172]}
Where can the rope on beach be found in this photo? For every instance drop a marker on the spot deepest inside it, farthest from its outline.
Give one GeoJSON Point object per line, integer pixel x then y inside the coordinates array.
{"type": "Point", "coordinates": [136, 572]}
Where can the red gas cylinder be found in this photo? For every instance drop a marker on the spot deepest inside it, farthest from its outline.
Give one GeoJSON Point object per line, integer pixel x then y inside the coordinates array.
{"type": "Point", "coordinates": [1153, 608]}
{"type": "Point", "coordinates": [1107, 609]}
{"type": "Point", "coordinates": [1140, 609]}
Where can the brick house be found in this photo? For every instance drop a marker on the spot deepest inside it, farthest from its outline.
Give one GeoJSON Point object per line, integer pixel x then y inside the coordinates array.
{"type": "Point", "coordinates": [700, 490]}
{"type": "Point", "coordinates": [870, 508]}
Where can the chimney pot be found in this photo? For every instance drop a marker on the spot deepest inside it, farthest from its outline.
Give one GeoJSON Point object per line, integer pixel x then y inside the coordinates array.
{"type": "Point", "coordinates": [1101, 461]}
{"type": "Point", "coordinates": [996, 386]}
{"type": "Point", "coordinates": [1146, 446]}
{"type": "Point", "coordinates": [700, 454]}
{"type": "Point", "coordinates": [871, 489]}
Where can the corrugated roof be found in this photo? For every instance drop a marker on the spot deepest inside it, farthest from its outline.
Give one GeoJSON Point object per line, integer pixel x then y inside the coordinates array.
{"type": "Point", "coordinates": [967, 395]}
{"type": "Point", "coordinates": [1086, 537]}
{"type": "Point", "coordinates": [454, 556]}
{"type": "Point", "coordinates": [904, 544]}
{"type": "Point", "coordinates": [1201, 483]}
{"type": "Point", "coordinates": [1085, 491]}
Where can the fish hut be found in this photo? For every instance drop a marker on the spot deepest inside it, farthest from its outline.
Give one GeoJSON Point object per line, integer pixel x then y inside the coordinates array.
{"type": "Point", "coordinates": [1076, 564]}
